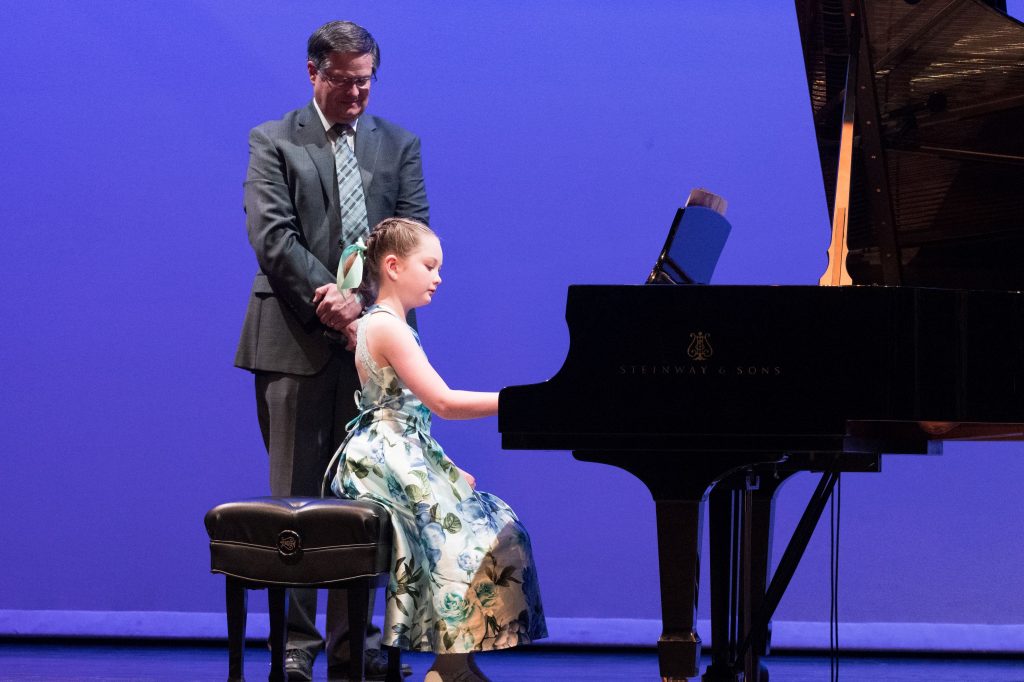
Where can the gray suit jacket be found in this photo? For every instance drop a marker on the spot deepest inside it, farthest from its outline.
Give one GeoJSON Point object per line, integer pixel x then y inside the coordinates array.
{"type": "Point", "coordinates": [292, 215]}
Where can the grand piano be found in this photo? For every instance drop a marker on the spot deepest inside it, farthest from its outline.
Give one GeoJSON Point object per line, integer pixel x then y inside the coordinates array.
{"type": "Point", "coordinates": [716, 394]}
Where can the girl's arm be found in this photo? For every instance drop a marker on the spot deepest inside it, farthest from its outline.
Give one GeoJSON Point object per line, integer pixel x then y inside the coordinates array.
{"type": "Point", "coordinates": [470, 478]}
{"type": "Point", "coordinates": [391, 340]}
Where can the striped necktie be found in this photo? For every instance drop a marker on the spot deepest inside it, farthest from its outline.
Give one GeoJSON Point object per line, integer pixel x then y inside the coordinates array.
{"type": "Point", "coordinates": [350, 189]}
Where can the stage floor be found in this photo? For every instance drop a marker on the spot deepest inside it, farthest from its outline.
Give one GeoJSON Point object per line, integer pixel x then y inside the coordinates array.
{"type": "Point", "coordinates": [142, 662]}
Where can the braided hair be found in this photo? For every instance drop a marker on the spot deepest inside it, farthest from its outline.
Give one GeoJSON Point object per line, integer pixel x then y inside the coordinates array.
{"type": "Point", "coordinates": [398, 236]}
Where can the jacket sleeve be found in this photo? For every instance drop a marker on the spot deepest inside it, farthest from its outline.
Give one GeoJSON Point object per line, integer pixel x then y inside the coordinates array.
{"type": "Point", "coordinates": [412, 190]}
{"type": "Point", "coordinates": [275, 231]}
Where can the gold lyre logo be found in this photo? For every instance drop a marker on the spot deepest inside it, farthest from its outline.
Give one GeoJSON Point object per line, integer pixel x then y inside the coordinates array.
{"type": "Point", "coordinates": [700, 346]}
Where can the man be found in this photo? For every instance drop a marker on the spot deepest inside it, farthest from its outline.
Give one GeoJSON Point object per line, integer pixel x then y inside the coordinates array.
{"type": "Point", "coordinates": [318, 178]}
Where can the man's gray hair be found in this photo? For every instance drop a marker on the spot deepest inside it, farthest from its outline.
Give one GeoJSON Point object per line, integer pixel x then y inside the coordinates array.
{"type": "Point", "coordinates": [341, 36]}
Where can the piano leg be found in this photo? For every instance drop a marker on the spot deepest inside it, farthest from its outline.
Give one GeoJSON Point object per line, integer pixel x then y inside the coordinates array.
{"type": "Point", "coordinates": [759, 518]}
{"type": "Point", "coordinates": [724, 508]}
{"type": "Point", "coordinates": [679, 496]}
{"type": "Point", "coordinates": [742, 512]}
{"type": "Point", "coordinates": [680, 525]}
{"type": "Point", "coordinates": [758, 613]}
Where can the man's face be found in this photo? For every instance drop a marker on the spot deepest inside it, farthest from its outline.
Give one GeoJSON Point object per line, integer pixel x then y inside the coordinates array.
{"type": "Point", "coordinates": [338, 94]}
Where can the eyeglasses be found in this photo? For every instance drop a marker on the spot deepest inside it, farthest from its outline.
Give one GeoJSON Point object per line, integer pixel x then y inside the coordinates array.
{"type": "Point", "coordinates": [361, 82]}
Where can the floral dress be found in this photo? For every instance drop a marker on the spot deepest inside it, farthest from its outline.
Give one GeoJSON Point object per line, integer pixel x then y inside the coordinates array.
{"type": "Point", "coordinates": [462, 572]}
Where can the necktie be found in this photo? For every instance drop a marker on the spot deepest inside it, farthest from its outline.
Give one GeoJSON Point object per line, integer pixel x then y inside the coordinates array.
{"type": "Point", "coordinates": [350, 190]}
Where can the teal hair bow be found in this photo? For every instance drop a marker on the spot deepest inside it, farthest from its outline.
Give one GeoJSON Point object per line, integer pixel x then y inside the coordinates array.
{"type": "Point", "coordinates": [354, 277]}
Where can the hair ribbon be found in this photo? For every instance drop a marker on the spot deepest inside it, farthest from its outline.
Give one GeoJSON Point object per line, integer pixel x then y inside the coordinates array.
{"type": "Point", "coordinates": [354, 276]}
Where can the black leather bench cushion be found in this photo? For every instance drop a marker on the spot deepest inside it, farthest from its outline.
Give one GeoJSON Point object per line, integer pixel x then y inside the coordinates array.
{"type": "Point", "coordinates": [299, 540]}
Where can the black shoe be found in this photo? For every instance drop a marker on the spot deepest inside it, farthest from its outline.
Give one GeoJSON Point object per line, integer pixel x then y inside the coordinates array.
{"type": "Point", "coordinates": [298, 665]}
{"type": "Point", "coordinates": [375, 667]}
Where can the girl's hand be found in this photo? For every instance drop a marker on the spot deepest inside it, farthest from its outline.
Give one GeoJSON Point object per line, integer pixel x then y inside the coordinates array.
{"type": "Point", "coordinates": [469, 478]}
{"type": "Point", "coordinates": [350, 335]}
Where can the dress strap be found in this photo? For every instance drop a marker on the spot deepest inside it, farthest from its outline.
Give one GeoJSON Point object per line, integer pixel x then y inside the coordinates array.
{"type": "Point", "coordinates": [380, 307]}
{"type": "Point", "coordinates": [363, 353]}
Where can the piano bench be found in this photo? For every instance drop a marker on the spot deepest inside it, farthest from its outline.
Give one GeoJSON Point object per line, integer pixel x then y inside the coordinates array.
{"type": "Point", "coordinates": [275, 543]}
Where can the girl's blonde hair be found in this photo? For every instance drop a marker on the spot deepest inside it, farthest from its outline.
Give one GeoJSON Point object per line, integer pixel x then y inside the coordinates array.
{"type": "Point", "coordinates": [399, 236]}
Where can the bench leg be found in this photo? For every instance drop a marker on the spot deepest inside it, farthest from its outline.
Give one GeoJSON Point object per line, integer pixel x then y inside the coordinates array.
{"type": "Point", "coordinates": [394, 664]}
{"type": "Point", "coordinates": [236, 598]}
{"type": "Point", "coordinates": [277, 601]}
{"type": "Point", "coordinates": [358, 605]}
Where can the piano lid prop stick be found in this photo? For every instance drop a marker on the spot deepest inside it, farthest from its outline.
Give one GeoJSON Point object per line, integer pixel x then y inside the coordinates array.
{"type": "Point", "coordinates": [836, 274]}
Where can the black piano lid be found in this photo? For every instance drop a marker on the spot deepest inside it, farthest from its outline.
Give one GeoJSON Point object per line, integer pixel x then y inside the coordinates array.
{"type": "Point", "coordinates": [939, 189]}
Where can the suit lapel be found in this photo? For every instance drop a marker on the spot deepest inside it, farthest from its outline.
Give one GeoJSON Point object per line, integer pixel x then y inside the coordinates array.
{"type": "Point", "coordinates": [322, 232]}
{"type": "Point", "coordinates": [367, 148]}
{"type": "Point", "coordinates": [310, 134]}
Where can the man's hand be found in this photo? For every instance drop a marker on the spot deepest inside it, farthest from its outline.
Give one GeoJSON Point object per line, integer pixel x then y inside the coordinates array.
{"type": "Point", "coordinates": [336, 309]}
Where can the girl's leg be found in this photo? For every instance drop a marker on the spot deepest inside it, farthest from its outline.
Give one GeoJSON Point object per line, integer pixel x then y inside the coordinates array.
{"type": "Point", "coordinates": [455, 668]}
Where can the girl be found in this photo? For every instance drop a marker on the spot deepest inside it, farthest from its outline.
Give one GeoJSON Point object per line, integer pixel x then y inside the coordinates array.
{"type": "Point", "coordinates": [463, 578]}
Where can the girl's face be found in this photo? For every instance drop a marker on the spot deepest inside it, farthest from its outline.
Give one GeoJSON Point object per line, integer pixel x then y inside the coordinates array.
{"type": "Point", "coordinates": [419, 274]}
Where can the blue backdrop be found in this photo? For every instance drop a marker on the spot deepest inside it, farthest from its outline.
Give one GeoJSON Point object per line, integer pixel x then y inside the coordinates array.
{"type": "Point", "coordinates": [558, 140]}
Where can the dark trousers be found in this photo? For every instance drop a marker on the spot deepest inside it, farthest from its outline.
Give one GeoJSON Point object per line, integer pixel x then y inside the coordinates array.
{"type": "Point", "coordinates": [303, 420]}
